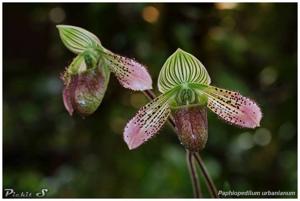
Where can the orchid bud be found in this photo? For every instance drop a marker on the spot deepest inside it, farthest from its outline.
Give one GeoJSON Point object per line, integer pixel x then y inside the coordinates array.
{"type": "Point", "coordinates": [191, 124]}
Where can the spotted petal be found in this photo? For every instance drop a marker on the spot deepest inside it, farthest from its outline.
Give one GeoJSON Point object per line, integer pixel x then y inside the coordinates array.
{"type": "Point", "coordinates": [233, 107]}
{"type": "Point", "coordinates": [77, 39]}
{"type": "Point", "coordinates": [129, 72]}
{"type": "Point", "coordinates": [147, 122]}
{"type": "Point", "coordinates": [180, 68]}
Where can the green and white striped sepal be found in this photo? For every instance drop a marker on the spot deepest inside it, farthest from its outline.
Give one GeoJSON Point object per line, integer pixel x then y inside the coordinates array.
{"type": "Point", "coordinates": [181, 68]}
{"type": "Point", "coordinates": [77, 39]}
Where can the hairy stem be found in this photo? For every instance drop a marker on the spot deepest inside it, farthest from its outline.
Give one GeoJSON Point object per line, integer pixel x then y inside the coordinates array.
{"type": "Point", "coordinates": [193, 174]}
{"type": "Point", "coordinates": [208, 181]}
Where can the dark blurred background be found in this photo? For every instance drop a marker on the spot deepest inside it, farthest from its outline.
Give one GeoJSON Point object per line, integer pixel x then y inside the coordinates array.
{"type": "Point", "coordinates": [251, 48]}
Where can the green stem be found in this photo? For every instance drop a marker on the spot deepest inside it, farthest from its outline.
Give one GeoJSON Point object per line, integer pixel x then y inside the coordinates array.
{"type": "Point", "coordinates": [193, 174]}
{"type": "Point", "coordinates": [209, 182]}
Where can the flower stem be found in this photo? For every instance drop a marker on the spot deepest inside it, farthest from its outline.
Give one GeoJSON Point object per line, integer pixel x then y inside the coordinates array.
{"type": "Point", "coordinates": [193, 174]}
{"type": "Point", "coordinates": [208, 181]}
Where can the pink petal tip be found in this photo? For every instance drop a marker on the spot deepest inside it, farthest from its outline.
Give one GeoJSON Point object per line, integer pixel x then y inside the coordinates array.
{"type": "Point", "coordinates": [133, 135]}
{"type": "Point", "coordinates": [251, 114]}
{"type": "Point", "coordinates": [137, 78]}
{"type": "Point", "coordinates": [130, 73]}
{"type": "Point", "coordinates": [146, 123]}
{"type": "Point", "coordinates": [233, 107]}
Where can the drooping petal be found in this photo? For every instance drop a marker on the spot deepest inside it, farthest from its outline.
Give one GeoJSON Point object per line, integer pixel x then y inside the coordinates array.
{"type": "Point", "coordinates": [191, 125]}
{"type": "Point", "coordinates": [147, 122]}
{"type": "Point", "coordinates": [233, 107]}
{"type": "Point", "coordinates": [77, 39]}
{"type": "Point", "coordinates": [180, 68]}
{"type": "Point", "coordinates": [129, 72]}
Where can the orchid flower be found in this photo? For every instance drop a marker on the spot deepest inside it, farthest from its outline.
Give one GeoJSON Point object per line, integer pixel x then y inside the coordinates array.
{"type": "Point", "coordinates": [87, 77]}
{"type": "Point", "coordinates": [186, 94]}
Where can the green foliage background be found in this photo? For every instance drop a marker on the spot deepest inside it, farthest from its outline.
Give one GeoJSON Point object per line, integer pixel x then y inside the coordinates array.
{"type": "Point", "coordinates": [251, 48]}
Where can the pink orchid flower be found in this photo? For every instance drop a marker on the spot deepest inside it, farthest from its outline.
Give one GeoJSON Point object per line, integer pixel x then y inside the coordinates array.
{"type": "Point", "coordinates": [186, 94]}
{"type": "Point", "coordinates": [87, 77]}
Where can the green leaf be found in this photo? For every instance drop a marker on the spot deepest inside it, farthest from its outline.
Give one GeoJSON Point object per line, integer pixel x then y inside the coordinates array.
{"type": "Point", "coordinates": [77, 39]}
{"type": "Point", "coordinates": [181, 68]}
